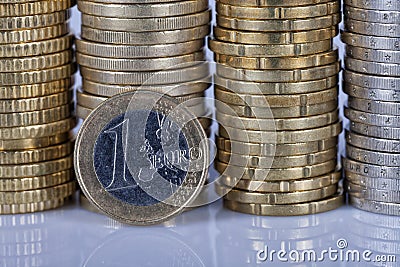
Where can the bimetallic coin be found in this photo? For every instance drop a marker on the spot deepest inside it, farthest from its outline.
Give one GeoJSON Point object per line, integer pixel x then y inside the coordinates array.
{"type": "Point", "coordinates": [282, 186]}
{"type": "Point", "coordinates": [127, 192]}
{"type": "Point", "coordinates": [374, 106]}
{"type": "Point", "coordinates": [362, 192]}
{"type": "Point", "coordinates": [313, 207]}
{"type": "Point", "coordinates": [273, 3]}
{"type": "Point", "coordinates": [371, 143]}
{"type": "Point", "coordinates": [370, 28]}
{"type": "Point", "coordinates": [265, 13]}
{"type": "Point", "coordinates": [372, 94]}
{"type": "Point", "coordinates": [373, 55]}
{"type": "Point", "coordinates": [371, 81]}
{"type": "Point", "coordinates": [265, 38]}
{"type": "Point", "coordinates": [373, 157]}
{"type": "Point", "coordinates": [375, 206]}
{"type": "Point", "coordinates": [279, 25]}
{"type": "Point", "coordinates": [381, 5]}
{"type": "Point", "coordinates": [147, 24]}
{"type": "Point", "coordinates": [275, 198]}
{"type": "Point", "coordinates": [371, 118]}
{"type": "Point", "coordinates": [373, 182]}
{"type": "Point", "coordinates": [372, 42]}
{"type": "Point", "coordinates": [371, 170]}
{"type": "Point", "coordinates": [145, 38]}
{"type": "Point", "coordinates": [151, 10]}
{"type": "Point", "coordinates": [376, 68]}
{"type": "Point", "coordinates": [279, 150]}
{"type": "Point", "coordinates": [375, 131]}
{"type": "Point", "coordinates": [368, 15]}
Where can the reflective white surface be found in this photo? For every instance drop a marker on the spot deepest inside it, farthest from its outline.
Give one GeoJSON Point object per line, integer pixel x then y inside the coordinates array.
{"type": "Point", "coordinates": [208, 236]}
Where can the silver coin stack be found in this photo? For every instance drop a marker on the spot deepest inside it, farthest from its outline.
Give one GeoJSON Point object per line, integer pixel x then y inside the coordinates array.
{"type": "Point", "coordinates": [277, 81]}
{"type": "Point", "coordinates": [372, 82]}
{"type": "Point", "coordinates": [129, 45]}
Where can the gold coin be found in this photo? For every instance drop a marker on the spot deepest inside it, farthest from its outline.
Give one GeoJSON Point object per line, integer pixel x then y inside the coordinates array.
{"type": "Point", "coordinates": [36, 103]}
{"type": "Point", "coordinates": [33, 35]}
{"type": "Point", "coordinates": [35, 117]}
{"type": "Point", "coordinates": [36, 131]}
{"type": "Point", "coordinates": [276, 198]}
{"type": "Point", "coordinates": [32, 183]}
{"type": "Point", "coordinates": [34, 21]}
{"type": "Point", "coordinates": [312, 207]}
{"type": "Point", "coordinates": [35, 90]}
{"type": "Point", "coordinates": [36, 155]}
{"type": "Point", "coordinates": [38, 195]}
{"type": "Point", "coordinates": [34, 8]}
{"type": "Point", "coordinates": [35, 63]}
{"type": "Point", "coordinates": [283, 186]}
{"type": "Point", "coordinates": [31, 207]}
{"type": "Point", "coordinates": [36, 48]}
{"type": "Point", "coordinates": [36, 169]}
{"type": "Point", "coordinates": [32, 143]}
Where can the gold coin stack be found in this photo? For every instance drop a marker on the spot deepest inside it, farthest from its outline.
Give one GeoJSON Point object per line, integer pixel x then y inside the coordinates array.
{"type": "Point", "coordinates": [144, 45]}
{"type": "Point", "coordinates": [36, 66]}
{"type": "Point", "coordinates": [276, 90]}
{"type": "Point", "coordinates": [372, 82]}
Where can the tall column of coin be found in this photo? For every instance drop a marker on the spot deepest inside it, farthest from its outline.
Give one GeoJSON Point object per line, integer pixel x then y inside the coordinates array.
{"type": "Point", "coordinates": [372, 81]}
{"type": "Point", "coordinates": [36, 65]}
{"type": "Point", "coordinates": [144, 45]}
{"type": "Point", "coordinates": [280, 53]}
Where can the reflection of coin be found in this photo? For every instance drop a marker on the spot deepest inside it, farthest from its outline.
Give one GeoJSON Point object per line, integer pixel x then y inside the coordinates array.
{"type": "Point", "coordinates": [146, 160]}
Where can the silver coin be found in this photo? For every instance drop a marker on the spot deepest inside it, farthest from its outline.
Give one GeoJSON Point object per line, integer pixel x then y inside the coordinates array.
{"type": "Point", "coordinates": [371, 118]}
{"type": "Point", "coordinates": [371, 94]}
{"type": "Point", "coordinates": [373, 55]}
{"type": "Point", "coordinates": [371, 143]}
{"type": "Point", "coordinates": [374, 106]}
{"type": "Point", "coordinates": [369, 81]}
{"type": "Point", "coordinates": [378, 5]}
{"type": "Point", "coordinates": [372, 157]}
{"type": "Point", "coordinates": [369, 15]}
{"type": "Point", "coordinates": [372, 42]}
{"type": "Point", "coordinates": [373, 182]}
{"type": "Point", "coordinates": [372, 194]}
{"type": "Point", "coordinates": [376, 207]}
{"type": "Point", "coordinates": [376, 68]}
{"type": "Point", "coordinates": [371, 170]}
{"type": "Point", "coordinates": [158, 174]}
{"type": "Point", "coordinates": [375, 131]}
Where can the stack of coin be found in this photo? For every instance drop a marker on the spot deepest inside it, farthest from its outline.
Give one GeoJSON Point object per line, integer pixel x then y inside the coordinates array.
{"type": "Point", "coordinates": [277, 95]}
{"type": "Point", "coordinates": [144, 45]}
{"type": "Point", "coordinates": [372, 80]}
{"type": "Point", "coordinates": [36, 66]}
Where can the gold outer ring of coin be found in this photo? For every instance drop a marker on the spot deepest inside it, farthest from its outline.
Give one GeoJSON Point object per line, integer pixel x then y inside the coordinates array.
{"type": "Point", "coordinates": [35, 117]}
{"type": "Point", "coordinates": [281, 63]}
{"type": "Point", "coordinates": [293, 75]}
{"type": "Point", "coordinates": [276, 198]}
{"type": "Point", "coordinates": [35, 90]}
{"type": "Point", "coordinates": [270, 13]}
{"type": "Point", "coordinates": [286, 174]}
{"type": "Point", "coordinates": [38, 195]}
{"type": "Point", "coordinates": [277, 101]}
{"type": "Point", "coordinates": [278, 113]}
{"type": "Point", "coordinates": [265, 38]}
{"type": "Point", "coordinates": [279, 25]}
{"type": "Point", "coordinates": [150, 64]}
{"type": "Point", "coordinates": [35, 155]}
{"type": "Point", "coordinates": [34, 8]}
{"type": "Point", "coordinates": [301, 123]}
{"type": "Point", "coordinates": [279, 150]}
{"type": "Point", "coordinates": [39, 182]}
{"type": "Point", "coordinates": [313, 207]}
{"type": "Point", "coordinates": [105, 90]}
{"type": "Point", "coordinates": [145, 38]}
{"type": "Point", "coordinates": [35, 104]}
{"type": "Point", "coordinates": [283, 50]}
{"type": "Point", "coordinates": [276, 162]}
{"type": "Point", "coordinates": [34, 21]}
{"type": "Point", "coordinates": [37, 131]}
{"type": "Point", "coordinates": [85, 203]}
{"type": "Point", "coordinates": [283, 137]}
{"type": "Point", "coordinates": [32, 207]}
{"type": "Point", "coordinates": [151, 10]}
{"type": "Point", "coordinates": [147, 24]}
{"type": "Point", "coordinates": [33, 143]}
{"type": "Point", "coordinates": [188, 74]}
{"type": "Point", "coordinates": [38, 76]}
{"type": "Point", "coordinates": [36, 169]}
{"type": "Point", "coordinates": [33, 35]}
{"type": "Point", "coordinates": [36, 48]}
{"type": "Point", "coordinates": [283, 186]}
{"type": "Point", "coordinates": [37, 62]}
{"type": "Point", "coordinates": [272, 3]}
